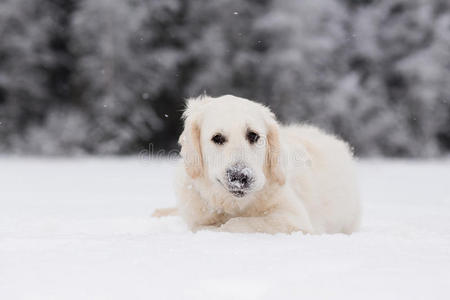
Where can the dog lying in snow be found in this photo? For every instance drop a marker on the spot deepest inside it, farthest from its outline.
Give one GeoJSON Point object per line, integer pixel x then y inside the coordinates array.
{"type": "Point", "coordinates": [243, 172]}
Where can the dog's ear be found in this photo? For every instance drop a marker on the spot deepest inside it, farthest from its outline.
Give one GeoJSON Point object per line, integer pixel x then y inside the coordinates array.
{"type": "Point", "coordinates": [190, 138]}
{"type": "Point", "coordinates": [274, 169]}
{"type": "Point", "coordinates": [191, 150]}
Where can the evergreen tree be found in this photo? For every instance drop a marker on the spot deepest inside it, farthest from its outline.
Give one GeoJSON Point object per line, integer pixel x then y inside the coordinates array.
{"type": "Point", "coordinates": [111, 76]}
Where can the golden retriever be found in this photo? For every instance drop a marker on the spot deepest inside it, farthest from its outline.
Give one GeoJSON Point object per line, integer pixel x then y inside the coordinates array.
{"type": "Point", "coordinates": [241, 171]}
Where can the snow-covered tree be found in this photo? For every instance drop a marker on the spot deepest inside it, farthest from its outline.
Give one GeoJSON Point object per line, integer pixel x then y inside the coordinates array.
{"type": "Point", "coordinates": [225, 48]}
{"type": "Point", "coordinates": [402, 47]}
{"type": "Point", "coordinates": [23, 61]}
{"type": "Point", "coordinates": [36, 65]}
{"type": "Point", "coordinates": [131, 56]}
{"type": "Point", "coordinates": [110, 76]}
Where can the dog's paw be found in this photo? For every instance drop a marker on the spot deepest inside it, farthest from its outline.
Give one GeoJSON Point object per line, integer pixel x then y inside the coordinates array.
{"type": "Point", "coordinates": [164, 212]}
{"type": "Point", "coordinates": [238, 225]}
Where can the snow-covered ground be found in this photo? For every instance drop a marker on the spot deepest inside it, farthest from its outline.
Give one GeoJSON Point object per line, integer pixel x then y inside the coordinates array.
{"type": "Point", "coordinates": [81, 229]}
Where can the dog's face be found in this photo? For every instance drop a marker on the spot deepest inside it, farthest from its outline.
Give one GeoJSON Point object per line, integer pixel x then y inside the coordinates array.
{"type": "Point", "coordinates": [231, 142]}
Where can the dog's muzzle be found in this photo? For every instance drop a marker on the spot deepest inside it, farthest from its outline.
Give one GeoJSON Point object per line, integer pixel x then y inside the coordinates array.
{"type": "Point", "coordinates": [239, 179]}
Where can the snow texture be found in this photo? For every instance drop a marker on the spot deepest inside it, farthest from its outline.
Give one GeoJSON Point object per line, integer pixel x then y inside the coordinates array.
{"type": "Point", "coordinates": [81, 229]}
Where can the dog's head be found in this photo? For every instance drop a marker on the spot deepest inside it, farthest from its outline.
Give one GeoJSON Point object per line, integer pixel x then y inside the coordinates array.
{"type": "Point", "coordinates": [231, 142]}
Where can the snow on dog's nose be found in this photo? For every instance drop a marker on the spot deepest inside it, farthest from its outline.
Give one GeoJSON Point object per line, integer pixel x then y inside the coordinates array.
{"type": "Point", "coordinates": [239, 179]}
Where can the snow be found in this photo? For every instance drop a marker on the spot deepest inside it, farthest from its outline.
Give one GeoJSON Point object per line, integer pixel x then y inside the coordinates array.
{"type": "Point", "coordinates": [81, 229]}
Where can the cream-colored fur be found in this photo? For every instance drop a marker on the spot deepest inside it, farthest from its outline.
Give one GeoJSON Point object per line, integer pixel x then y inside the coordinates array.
{"type": "Point", "coordinates": [304, 178]}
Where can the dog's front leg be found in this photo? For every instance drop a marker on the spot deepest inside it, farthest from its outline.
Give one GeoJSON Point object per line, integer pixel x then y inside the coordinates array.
{"type": "Point", "coordinates": [276, 222]}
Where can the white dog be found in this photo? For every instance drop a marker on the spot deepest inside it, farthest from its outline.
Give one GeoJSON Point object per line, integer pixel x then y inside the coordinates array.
{"type": "Point", "coordinates": [243, 172]}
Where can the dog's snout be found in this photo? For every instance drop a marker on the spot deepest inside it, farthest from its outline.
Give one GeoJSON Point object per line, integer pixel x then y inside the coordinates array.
{"type": "Point", "coordinates": [236, 176]}
{"type": "Point", "coordinates": [239, 176]}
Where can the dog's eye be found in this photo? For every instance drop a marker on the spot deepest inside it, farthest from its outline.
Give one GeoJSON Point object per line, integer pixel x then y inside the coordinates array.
{"type": "Point", "coordinates": [252, 137]}
{"type": "Point", "coordinates": [218, 139]}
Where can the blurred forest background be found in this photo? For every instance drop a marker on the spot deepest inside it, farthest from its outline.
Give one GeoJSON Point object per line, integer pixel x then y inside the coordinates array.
{"type": "Point", "coordinates": [110, 76]}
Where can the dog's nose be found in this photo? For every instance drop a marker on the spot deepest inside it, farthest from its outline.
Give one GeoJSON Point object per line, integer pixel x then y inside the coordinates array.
{"type": "Point", "coordinates": [239, 176]}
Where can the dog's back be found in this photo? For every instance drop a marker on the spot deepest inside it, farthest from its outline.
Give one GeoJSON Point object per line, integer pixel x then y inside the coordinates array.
{"type": "Point", "coordinates": [323, 176]}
